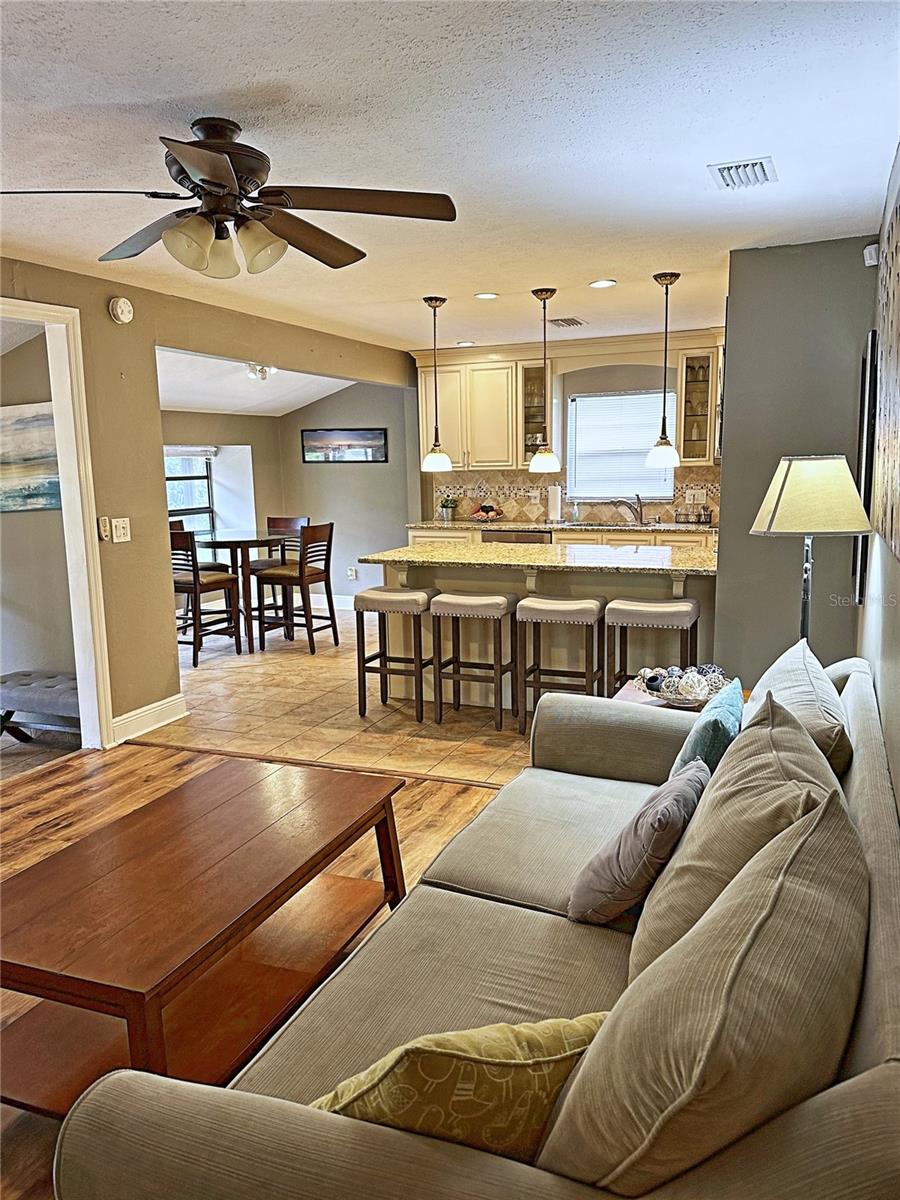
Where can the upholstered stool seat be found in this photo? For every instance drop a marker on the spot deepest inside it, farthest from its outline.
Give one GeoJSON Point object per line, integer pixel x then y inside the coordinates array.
{"type": "Point", "coordinates": [625, 614]}
{"type": "Point", "coordinates": [407, 602]}
{"type": "Point", "coordinates": [468, 606]}
{"type": "Point", "coordinates": [539, 611]}
{"type": "Point", "coordinates": [44, 693]}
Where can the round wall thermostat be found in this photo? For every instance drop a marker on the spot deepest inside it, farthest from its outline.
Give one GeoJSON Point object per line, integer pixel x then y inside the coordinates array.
{"type": "Point", "coordinates": [121, 310]}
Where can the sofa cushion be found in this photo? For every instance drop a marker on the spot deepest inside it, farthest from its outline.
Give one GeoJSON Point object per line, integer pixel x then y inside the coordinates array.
{"type": "Point", "coordinates": [798, 681]}
{"type": "Point", "coordinates": [747, 1016]}
{"type": "Point", "coordinates": [623, 870]}
{"type": "Point", "coordinates": [492, 1088]}
{"type": "Point", "coordinates": [442, 961]}
{"type": "Point", "coordinates": [771, 774]}
{"type": "Point", "coordinates": [717, 726]}
{"type": "Point", "coordinates": [528, 845]}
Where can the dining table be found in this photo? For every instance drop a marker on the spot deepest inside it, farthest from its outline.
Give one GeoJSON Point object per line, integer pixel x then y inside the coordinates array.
{"type": "Point", "coordinates": [239, 543]}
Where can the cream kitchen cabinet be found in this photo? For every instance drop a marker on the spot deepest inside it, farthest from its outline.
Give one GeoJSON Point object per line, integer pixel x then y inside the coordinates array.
{"type": "Point", "coordinates": [699, 391]}
{"type": "Point", "coordinates": [576, 537]}
{"type": "Point", "coordinates": [466, 536]}
{"type": "Point", "coordinates": [678, 537]}
{"type": "Point", "coordinates": [479, 415]}
{"type": "Point", "coordinates": [628, 537]}
{"type": "Point", "coordinates": [703, 540]}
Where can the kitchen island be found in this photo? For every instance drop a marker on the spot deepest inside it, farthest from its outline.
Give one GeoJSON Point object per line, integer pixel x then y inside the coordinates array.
{"type": "Point", "coordinates": [576, 571]}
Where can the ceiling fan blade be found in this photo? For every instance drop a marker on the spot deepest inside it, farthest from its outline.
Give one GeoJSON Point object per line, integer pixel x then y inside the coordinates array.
{"type": "Point", "coordinates": [146, 237]}
{"type": "Point", "coordinates": [427, 206]}
{"type": "Point", "coordinates": [208, 168]}
{"type": "Point", "coordinates": [95, 192]}
{"type": "Point", "coordinates": [312, 240]}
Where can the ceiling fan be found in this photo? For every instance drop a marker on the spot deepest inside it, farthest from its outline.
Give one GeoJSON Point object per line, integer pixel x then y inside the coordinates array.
{"type": "Point", "coordinates": [228, 178]}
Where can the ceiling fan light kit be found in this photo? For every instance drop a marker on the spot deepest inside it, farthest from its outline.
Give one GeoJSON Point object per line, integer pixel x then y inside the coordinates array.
{"type": "Point", "coordinates": [223, 263]}
{"type": "Point", "coordinates": [260, 248]}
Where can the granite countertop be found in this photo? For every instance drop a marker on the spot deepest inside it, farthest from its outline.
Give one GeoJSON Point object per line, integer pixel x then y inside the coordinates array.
{"type": "Point", "coordinates": [549, 526]}
{"type": "Point", "coordinates": [648, 560]}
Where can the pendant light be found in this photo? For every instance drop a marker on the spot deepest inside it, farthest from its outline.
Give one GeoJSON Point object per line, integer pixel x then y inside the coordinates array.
{"type": "Point", "coordinates": [436, 459]}
{"type": "Point", "coordinates": [544, 461]}
{"type": "Point", "coordinates": [664, 455]}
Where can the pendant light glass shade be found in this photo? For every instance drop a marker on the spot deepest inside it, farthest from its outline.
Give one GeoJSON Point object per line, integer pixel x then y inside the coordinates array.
{"type": "Point", "coordinates": [223, 263]}
{"type": "Point", "coordinates": [544, 461]}
{"type": "Point", "coordinates": [260, 248]}
{"type": "Point", "coordinates": [437, 458]}
{"type": "Point", "coordinates": [189, 242]}
{"type": "Point", "coordinates": [664, 456]}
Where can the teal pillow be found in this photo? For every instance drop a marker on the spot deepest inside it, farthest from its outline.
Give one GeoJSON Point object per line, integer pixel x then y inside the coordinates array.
{"type": "Point", "coordinates": [715, 729]}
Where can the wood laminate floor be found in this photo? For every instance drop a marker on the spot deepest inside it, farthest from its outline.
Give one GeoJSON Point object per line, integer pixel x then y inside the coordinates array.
{"type": "Point", "coordinates": [50, 808]}
{"type": "Point", "coordinates": [289, 705]}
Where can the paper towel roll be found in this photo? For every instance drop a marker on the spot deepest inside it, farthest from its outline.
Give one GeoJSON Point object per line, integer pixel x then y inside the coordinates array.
{"type": "Point", "coordinates": [554, 502]}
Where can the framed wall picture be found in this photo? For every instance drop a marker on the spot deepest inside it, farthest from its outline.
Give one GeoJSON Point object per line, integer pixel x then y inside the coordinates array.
{"type": "Point", "coordinates": [344, 445]}
{"type": "Point", "coordinates": [29, 478]}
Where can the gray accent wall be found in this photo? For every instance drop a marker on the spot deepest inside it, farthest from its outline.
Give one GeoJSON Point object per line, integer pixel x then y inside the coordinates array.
{"type": "Point", "coordinates": [797, 321]}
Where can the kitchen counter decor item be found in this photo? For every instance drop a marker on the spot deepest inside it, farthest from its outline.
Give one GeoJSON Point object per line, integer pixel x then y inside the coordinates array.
{"type": "Point", "coordinates": [447, 508]}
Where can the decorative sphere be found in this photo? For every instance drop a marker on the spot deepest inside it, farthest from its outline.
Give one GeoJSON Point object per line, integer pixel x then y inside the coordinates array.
{"type": "Point", "coordinates": [693, 686]}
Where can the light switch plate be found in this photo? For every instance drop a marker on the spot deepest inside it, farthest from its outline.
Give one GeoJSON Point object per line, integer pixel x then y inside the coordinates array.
{"type": "Point", "coordinates": [351, 573]}
{"type": "Point", "coordinates": [695, 496]}
{"type": "Point", "coordinates": [121, 529]}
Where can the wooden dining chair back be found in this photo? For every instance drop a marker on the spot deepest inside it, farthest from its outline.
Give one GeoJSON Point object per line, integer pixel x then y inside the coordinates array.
{"type": "Point", "coordinates": [312, 566]}
{"type": "Point", "coordinates": [191, 581]}
{"type": "Point", "coordinates": [290, 547]}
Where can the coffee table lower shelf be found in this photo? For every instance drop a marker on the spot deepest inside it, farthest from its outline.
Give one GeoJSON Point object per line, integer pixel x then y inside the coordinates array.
{"type": "Point", "coordinates": [54, 1051]}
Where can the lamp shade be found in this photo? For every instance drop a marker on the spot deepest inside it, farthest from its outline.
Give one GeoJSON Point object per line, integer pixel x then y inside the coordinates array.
{"type": "Point", "coordinates": [436, 460]}
{"type": "Point", "coordinates": [813, 495]}
{"type": "Point", "coordinates": [662, 456]}
{"type": "Point", "coordinates": [189, 242]}
{"type": "Point", "coordinates": [543, 462]}
{"type": "Point", "coordinates": [222, 262]}
{"type": "Point", "coordinates": [260, 248]}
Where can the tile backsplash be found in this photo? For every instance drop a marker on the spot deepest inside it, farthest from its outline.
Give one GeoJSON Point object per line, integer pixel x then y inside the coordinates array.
{"type": "Point", "coordinates": [523, 497]}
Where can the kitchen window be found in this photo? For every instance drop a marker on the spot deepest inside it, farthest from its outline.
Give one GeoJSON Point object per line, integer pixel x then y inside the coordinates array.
{"type": "Point", "coordinates": [609, 436]}
{"type": "Point", "coordinates": [189, 491]}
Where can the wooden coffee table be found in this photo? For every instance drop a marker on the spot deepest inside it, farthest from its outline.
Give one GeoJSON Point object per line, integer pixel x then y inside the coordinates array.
{"type": "Point", "coordinates": [176, 938]}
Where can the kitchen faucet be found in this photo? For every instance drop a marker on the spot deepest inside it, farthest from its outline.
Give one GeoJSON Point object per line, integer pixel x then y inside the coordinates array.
{"type": "Point", "coordinates": [636, 510]}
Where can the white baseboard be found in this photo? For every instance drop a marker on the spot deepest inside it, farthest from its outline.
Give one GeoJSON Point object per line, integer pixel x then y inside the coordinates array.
{"type": "Point", "coordinates": [339, 602]}
{"type": "Point", "coordinates": [151, 716]}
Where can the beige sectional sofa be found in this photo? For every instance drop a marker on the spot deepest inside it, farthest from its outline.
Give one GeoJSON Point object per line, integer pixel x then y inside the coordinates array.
{"type": "Point", "coordinates": [484, 939]}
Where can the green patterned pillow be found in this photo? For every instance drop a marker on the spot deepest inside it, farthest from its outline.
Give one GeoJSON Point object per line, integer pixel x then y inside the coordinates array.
{"type": "Point", "coordinates": [492, 1088]}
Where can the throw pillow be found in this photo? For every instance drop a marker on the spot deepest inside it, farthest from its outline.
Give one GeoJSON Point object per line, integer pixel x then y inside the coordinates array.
{"type": "Point", "coordinates": [623, 871]}
{"type": "Point", "coordinates": [798, 681]}
{"type": "Point", "coordinates": [747, 1016]}
{"type": "Point", "coordinates": [492, 1088]}
{"type": "Point", "coordinates": [715, 729]}
{"type": "Point", "coordinates": [770, 776]}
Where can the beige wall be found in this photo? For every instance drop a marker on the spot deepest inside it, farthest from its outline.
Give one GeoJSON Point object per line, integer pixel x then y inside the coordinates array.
{"type": "Point", "coordinates": [35, 617]}
{"type": "Point", "coordinates": [126, 438]}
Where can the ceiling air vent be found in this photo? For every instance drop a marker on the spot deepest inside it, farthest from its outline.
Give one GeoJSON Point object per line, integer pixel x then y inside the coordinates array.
{"type": "Point", "coordinates": [744, 173]}
{"type": "Point", "coordinates": [567, 322]}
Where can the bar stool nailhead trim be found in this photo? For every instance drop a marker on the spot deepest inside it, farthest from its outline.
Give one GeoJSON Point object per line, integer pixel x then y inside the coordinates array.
{"type": "Point", "coordinates": [410, 602]}
{"type": "Point", "coordinates": [457, 605]}
{"type": "Point", "coordinates": [624, 614]}
{"type": "Point", "coordinates": [539, 610]}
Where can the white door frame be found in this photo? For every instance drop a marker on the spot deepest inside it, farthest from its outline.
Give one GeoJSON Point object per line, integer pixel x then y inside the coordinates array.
{"type": "Point", "coordinates": [79, 513]}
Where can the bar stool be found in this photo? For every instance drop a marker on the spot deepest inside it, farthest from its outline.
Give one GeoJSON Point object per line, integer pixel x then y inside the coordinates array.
{"type": "Point", "coordinates": [551, 610]}
{"type": "Point", "coordinates": [411, 602]}
{"type": "Point", "coordinates": [623, 615]}
{"type": "Point", "coordinates": [459, 605]}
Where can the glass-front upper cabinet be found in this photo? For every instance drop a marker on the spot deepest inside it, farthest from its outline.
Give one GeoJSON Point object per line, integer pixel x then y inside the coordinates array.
{"type": "Point", "coordinates": [531, 391]}
{"type": "Point", "coordinates": [698, 394]}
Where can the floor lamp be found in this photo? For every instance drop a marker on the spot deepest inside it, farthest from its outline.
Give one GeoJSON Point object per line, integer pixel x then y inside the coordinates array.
{"type": "Point", "coordinates": [811, 496]}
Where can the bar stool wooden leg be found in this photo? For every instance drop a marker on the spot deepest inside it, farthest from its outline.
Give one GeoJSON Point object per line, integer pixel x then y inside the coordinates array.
{"type": "Point", "coordinates": [589, 660]}
{"type": "Point", "coordinates": [600, 690]}
{"type": "Point", "coordinates": [536, 643]}
{"type": "Point", "coordinates": [455, 652]}
{"type": "Point", "coordinates": [692, 659]}
{"type": "Point", "coordinates": [197, 635]}
{"type": "Point", "coordinates": [521, 673]}
{"type": "Point", "coordinates": [382, 650]}
{"type": "Point", "coordinates": [685, 648]}
{"type": "Point", "coordinates": [514, 664]}
{"type": "Point", "coordinates": [498, 673]}
{"type": "Point", "coordinates": [623, 654]}
{"type": "Point", "coordinates": [307, 615]}
{"type": "Point", "coordinates": [437, 655]}
{"type": "Point", "coordinates": [418, 677]}
{"type": "Point", "coordinates": [610, 659]}
{"type": "Point", "coordinates": [287, 612]}
{"type": "Point", "coordinates": [234, 606]}
{"type": "Point", "coordinates": [361, 661]}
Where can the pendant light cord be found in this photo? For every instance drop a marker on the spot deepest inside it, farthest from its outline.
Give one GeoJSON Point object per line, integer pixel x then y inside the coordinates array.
{"type": "Point", "coordinates": [434, 366]}
{"type": "Point", "coordinates": [665, 368]}
{"type": "Point", "coordinates": [544, 378]}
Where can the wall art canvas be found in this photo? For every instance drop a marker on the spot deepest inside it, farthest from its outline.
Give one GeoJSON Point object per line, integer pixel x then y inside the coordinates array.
{"type": "Point", "coordinates": [886, 484]}
{"type": "Point", "coordinates": [29, 475]}
{"type": "Point", "coordinates": [344, 445]}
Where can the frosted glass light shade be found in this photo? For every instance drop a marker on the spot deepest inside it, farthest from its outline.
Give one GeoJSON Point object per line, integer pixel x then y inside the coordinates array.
{"type": "Point", "coordinates": [812, 495]}
{"type": "Point", "coordinates": [260, 248]}
{"type": "Point", "coordinates": [663, 456]}
{"type": "Point", "coordinates": [223, 263]}
{"type": "Point", "coordinates": [436, 460]}
{"type": "Point", "coordinates": [544, 462]}
{"type": "Point", "coordinates": [189, 242]}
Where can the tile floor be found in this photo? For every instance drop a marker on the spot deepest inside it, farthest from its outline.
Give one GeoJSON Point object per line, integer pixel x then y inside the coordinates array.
{"type": "Point", "coordinates": [288, 704]}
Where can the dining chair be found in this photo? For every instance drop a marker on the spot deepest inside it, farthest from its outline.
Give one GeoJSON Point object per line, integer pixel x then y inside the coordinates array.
{"type": "Point", "coordinates": [177, 525]}
{"type": "Point", "coordinates": [311, 565]}
{"type": "Point", "coordinates": [273, 525]}
{"type": "Point", "coordinates": [190, 581]}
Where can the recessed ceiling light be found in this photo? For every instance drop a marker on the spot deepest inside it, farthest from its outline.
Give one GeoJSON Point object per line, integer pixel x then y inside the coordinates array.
{"type": "Point", "coordinates": [465, 343]}
{"type": "Point", "coordinates": [602, 283]}
{"type": "Point", "coordinates": [485, 295]}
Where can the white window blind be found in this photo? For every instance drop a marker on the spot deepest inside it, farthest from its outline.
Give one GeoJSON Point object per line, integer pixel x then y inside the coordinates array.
{"type": "Point", "coordinates": [608, 439]}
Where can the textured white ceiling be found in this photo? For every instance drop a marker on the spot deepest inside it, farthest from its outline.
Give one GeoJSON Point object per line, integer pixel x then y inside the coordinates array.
{"type": "Point", "coordinates": [198, 383]}
{"type": "Point", "coordinates": [573, 137]}
{"type": "Point", "coordinates": [14, 333]}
